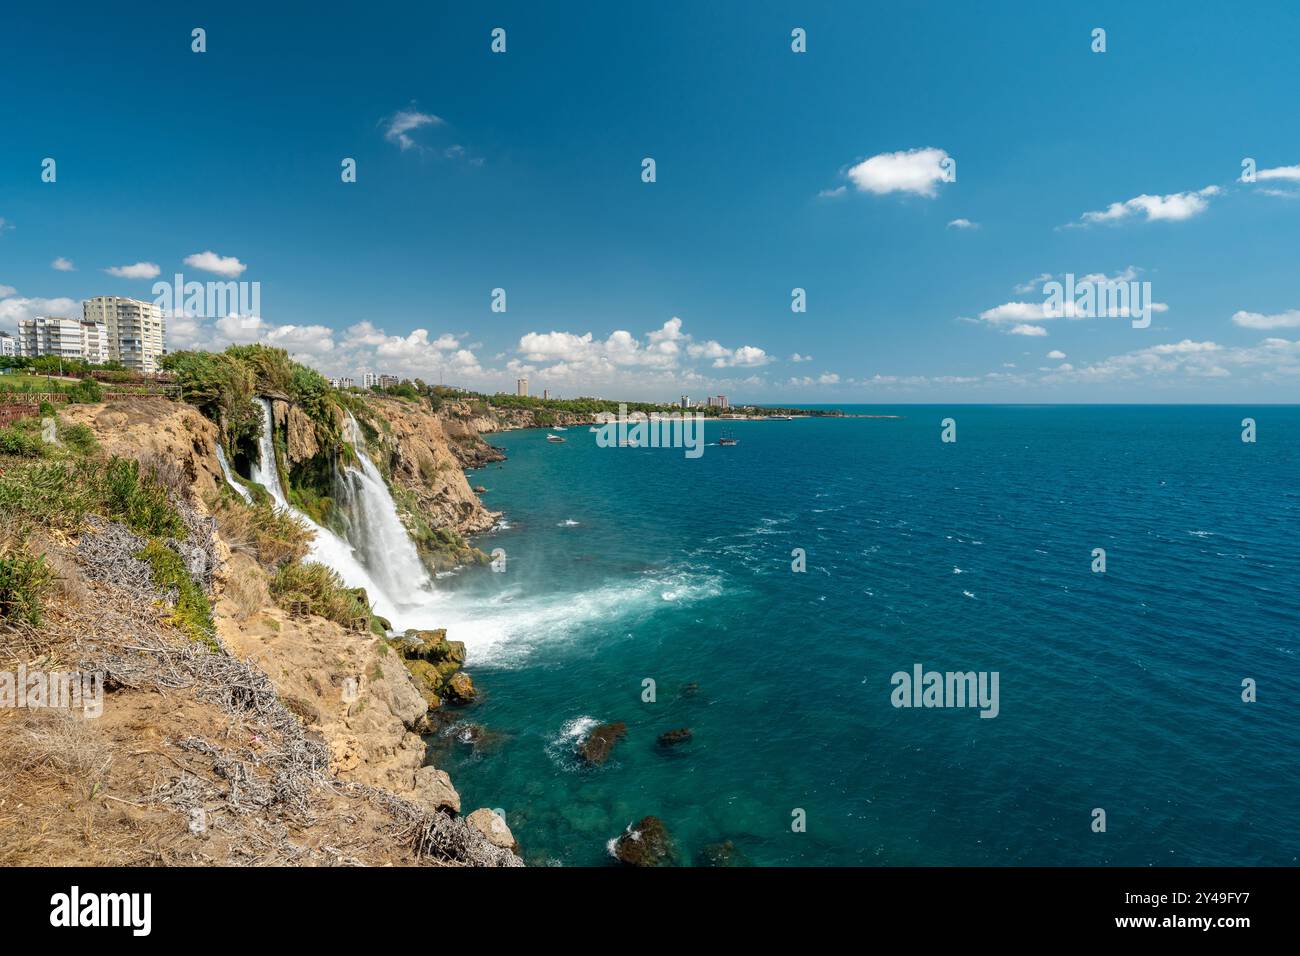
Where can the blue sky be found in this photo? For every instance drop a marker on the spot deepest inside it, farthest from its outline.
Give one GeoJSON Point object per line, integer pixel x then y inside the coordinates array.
{"type": "Point", "coordinates": [522, 171]}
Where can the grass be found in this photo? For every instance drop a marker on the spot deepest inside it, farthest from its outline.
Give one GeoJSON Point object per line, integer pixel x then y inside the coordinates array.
{"type": "Point", "coordinates": [193, 613]}
{"type": "Point", "coordinates": [24, 579]}
{"type": "Point", "coordinates": [321, 590]}
{"type": "Point", "coordinates": [61, 493]}
{"type": "Point", "coordinates": [270, 536]}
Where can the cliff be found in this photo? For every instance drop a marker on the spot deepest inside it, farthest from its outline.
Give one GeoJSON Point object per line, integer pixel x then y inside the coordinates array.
{"type": "Point", "coordinates": [243, 722]}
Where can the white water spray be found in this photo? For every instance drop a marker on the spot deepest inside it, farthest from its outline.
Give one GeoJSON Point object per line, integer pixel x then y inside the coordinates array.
{"type": "Point", "coordinates": [326, 547]}
{"type": "Point", "coordinates": [230, 478]}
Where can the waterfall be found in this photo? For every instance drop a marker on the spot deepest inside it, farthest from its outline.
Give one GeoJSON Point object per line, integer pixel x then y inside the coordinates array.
{"type": "Point", "coordinates": [230, 478]}
{"type": "Point", "coordinates": [326, 546]}
{"type": "Point", "coordinates": [375, 529]}
{"type": "Point", "coordinates": [264, 470]}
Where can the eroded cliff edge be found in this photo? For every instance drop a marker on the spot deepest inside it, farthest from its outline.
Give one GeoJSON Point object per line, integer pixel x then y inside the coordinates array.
{"type": "Point", "coordinates": [261, 734]}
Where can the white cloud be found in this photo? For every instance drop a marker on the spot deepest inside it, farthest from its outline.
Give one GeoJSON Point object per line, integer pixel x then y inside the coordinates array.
{"type": "Point", "coordinates": [141, 270]}
{"type": "Point", "coordinates": [209, 261]}
{"type": "Point", "coordinates": [833, 193]}
{"type": "Point", "coordinates": [1285, 173]}
{"type": "Point", "coordinates": [796, 357]}
{"type": "Point", "coordinates": [14, 308]}
{"type": "Point", "coordinates": [403, 122]}
{"type": "Point", "coordinates": [63, 265]}
{"type": "Point", "coordinates": [963, 224]}
{"type": "Point", "coordinates": [1032, 284]}
{"type": "Point", "coordinates": [1056, 354]}
{"type": "Point", "coordinates": [1027, 330]}
{"type": "Point", "coordinates": [1173, 207]}
{"type": "Point", "coordinates": [1255, 320]}
{"type": "Point", "coordinates": [915, 171]}
{"type": "Point", "coordinates": [6, 290]}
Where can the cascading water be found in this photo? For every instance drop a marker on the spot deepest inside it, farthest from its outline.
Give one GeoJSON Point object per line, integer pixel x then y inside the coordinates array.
{"type": "Point", "coordinates": [326, 547]}
{"type": "Point", "coordinates": [230, 478]}
{"type": "Point", "coordinates": [374, 528]}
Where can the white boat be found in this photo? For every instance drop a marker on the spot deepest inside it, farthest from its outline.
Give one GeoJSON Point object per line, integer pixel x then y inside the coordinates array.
{"type": "Point", "coordinates": [560, 428]}
{"type": "Point", "coordinates": [593, 428]}
{"type": "Point", "coordinates": [555, 438]}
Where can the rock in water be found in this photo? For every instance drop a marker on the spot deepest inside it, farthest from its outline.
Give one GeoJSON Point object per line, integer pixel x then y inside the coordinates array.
{"type": "Point", "coordinates": [595, 749]}
{"type": "Point", "coordinates": [460, 688]}
{"type": "Point", "coordinates": [645, 843]}
{"type": "Point", "coordinates": [492, 826]}
{"type": "Point", "coordinates": [678, 736]}
{"type": "Point", "coordinates": [721, 854]}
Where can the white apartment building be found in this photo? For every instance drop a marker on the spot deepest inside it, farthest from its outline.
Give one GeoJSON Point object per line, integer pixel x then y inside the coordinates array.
{"type": "Point", "coordinates": [521, 387]}
{"type": "Point", "coordinates": [369, 379]}
{"type": "Point", "coordinates": [8, 344]}
{"type": "Point", "coordinates": [62, 337]}
{"type": "Point", "coordinates": [136, 330]}
{"type": "Point", "coordinates": [50, 335]}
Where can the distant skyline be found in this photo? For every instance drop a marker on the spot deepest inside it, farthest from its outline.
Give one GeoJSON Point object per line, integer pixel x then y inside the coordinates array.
{"type": "Point", "coordinates": [828, 171]}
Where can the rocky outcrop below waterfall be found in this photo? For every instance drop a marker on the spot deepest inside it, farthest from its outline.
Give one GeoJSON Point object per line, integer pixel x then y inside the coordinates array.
{"type": "Point", "coordinates": [253, 712]}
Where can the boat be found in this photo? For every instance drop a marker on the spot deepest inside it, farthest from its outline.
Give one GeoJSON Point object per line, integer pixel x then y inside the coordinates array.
{"type": "Point", "coordinates": [555, 438]}
{"type": "Point", "coordinates": [593, 428]}
{"type": "Point", "coordinates": [728, 439]}
{"type": "Point", "coordinates": [560, 428]}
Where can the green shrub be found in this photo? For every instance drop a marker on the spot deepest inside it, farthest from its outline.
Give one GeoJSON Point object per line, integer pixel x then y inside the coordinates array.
{"type": "Point", "coordinates": [85, 391]}
{"type": "Point", "coordinates": [23, 580]}
{"type": "Point", "coordinates": [192, 614]}
{"type": "Point", "coordinates": [321, 590]}
{"type": "Point", "coordinates": [22, 440]}
{"type": "Point", "coordinates": [80, 438]}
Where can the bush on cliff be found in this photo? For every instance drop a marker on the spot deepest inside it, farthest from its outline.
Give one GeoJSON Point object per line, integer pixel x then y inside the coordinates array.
{"type": "Point", "coordinates": [271, 536]}
{"type": "Point", "coordinates": [220, 386]}
{"type": "Point", "coordinates": [24, 578]}
{"type": "Point", "coordinates": [318, 590]}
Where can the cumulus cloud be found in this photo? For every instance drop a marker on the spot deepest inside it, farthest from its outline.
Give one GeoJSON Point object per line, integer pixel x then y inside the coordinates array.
{"type": "Point", "coordinates": [141, 270]}
{"type": "Point", "coordinates": [1173, 207]}
{"type": "Point", "coordinates": [963, 224]}
{"type": "Point", "coordinates": [399, 126]}
{"type": "Point", "coordinates": [13, 308]}
{"type": "Point", "coordinates": [1056, 354]}
{"type": "Point", "coordinates": [209, 261]}
{"type": "Point", "coordinates": [1255, 320]}
{"type": "Point", "coordinates": [915, 171]}
{"type": "Point", "coordinates": [1284, 173]}
{"type": "Point", "coordinates": [1025, 329]}
{"type": "Point", "coordinates": [63, 265]}
{"type": "Point", "coordinates": [796, 357]}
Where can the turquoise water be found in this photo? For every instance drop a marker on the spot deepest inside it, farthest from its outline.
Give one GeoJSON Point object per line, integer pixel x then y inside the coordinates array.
{"type": "Point", "coordinates": [1119, 690]}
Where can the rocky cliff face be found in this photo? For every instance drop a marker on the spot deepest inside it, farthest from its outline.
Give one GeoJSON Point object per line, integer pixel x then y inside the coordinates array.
{"type": "Point", "coordinates": [424, 454]}
{"type": "Point", "coordinates": [307, 707]}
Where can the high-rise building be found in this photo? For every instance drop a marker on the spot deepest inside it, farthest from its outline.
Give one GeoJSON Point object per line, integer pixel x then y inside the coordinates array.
{"type": "Point", "coordinates": [136, 330]}
{"type": "Point", "coordinates": [94, 342]}
{"type": "Point", "coordinates": [50, 335]}
{"type": "Point", "coordinates": [369, 379]}
{"type": "Point", "coordinates": [8, 344]}
{"type": "Point", "coordinates": [546, 394]}
{"type": "Point", "coordinates": [521, 387]}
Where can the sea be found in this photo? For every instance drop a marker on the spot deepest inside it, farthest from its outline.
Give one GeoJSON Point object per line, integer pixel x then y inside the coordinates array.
{"type": "Point", "coordinates": [1146, 714]}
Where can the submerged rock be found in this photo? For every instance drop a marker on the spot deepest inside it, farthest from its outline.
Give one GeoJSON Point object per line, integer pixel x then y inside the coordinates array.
{"type": "Point", "coordinates": [596, 747]}
{"type": "Point", "coordinates": [678, 736]}
{"type": "Point", "coordinates": [724, 853]}
{"type": "Point", "coordinates": [645, 843]}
